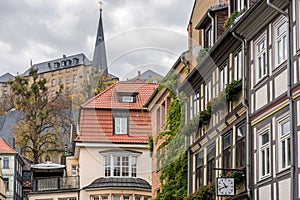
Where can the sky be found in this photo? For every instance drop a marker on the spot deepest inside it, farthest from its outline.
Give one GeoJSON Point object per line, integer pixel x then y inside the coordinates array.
{"type": "Point", "coordinates": [139, 34]}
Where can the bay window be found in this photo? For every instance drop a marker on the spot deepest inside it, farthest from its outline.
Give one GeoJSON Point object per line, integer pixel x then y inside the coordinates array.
{"type": "Point", "coordinates": [124, 166]}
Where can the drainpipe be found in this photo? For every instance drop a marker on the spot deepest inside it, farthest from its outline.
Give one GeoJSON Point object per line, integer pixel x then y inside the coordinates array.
{"type": "Point", "coordinates": [189, 165]}
{"type": "Point", "coordinates": [212, 27]}
{"type": "Point", "coordinates": [290, 97]}
{"type": "Point", "coordinates": [245, 104]}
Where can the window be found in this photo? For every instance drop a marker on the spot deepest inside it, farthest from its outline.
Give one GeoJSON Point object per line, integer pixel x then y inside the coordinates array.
{"type": "Point", "coordinates": [67, 92]}
{"type": "Point", "coordinates": [196, 103]}
{"type": "Point", "coordinates": [125, 197]}
{"type": "Point", "coordinates": [124, 166]}
{"type": "Point", "coordinates": [261, 59]}
{"type": "Point", "coordinates": [265, 153]}
{"type": "Point", "coordinates": [4, 94]}
{"type": "Point", "coordinates": [6, 183]}
{"type": "Point", "coordinates": [53, 83]}
{"type": "Point", "coordinates": [74, 78]}
{"type": "Point", "coordinates": [211, 163]}
{"type": "Point", "coordinates": [5, 162]}
{"type": "Point", "coordinates": [75, 60]}
{"type": "Point", "coordinates": [208, 92]}
{"type": "Point", "coordinates": [67, 80]}
{"type": "Point", "coordinates": [53, 73]}
{"type": "Point", "coordinates": [199, 170]}
{"type": "Point", "coordinates": [227, 151]}
{"type": "Point", "coordinates": [60, 81]}
{"type": "Point", "coordinates": [95, 197]}
{"type": "Point", "coordinates": [104, 197]}
{"type": "Point", "coordinates": [239, 5]}
{"type": "Point", "coordinates": [69, 62]}
{"type": "Point", "coordinates": [117, 197]}
{"type": "Point", "coordinates": [74, 68]}
{"type": "Point", "coordinates": [63, 63]}
{"type": "Point", "coordinates": [237, 65]}
{"type": "Point", "coordinates": [223, 76]}
{"type": "Point", "coordinates": [240, 146]}
{"type": "Point", "coordinates": [163, 113]}
{"type": "Point", "coordinates": [74, 170]}
{"type": "Point", "coordinates": [158, 119]}
{"type": "Point", "coordinates": [121, 125]}
{"type": "Point", "coordinates": [281, 42]}
{"type": "Point", "coordinates": [56, 65]}
{"type": "Point", "coordinates": [53, 93]}
{"type": "Point", "coordinates": [285, 144]}
{"type": "Point", "coordinates": [209, 38]}
{"type": "Point", "coordinates": [67, 70]}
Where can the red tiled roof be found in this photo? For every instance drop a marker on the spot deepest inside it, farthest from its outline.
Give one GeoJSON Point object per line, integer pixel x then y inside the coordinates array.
{"type": "Point", "coordinates": [108, 99]}
{"type": "Point", "coordinates": [112, 139]}
{"type": "Point", "coordinates": [5, 148]}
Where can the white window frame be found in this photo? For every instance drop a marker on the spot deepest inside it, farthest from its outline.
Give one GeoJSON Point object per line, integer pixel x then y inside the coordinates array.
{"type": "Point", "coordinates": [53, 83]}
{"type": "Point", "coordinates": [282, 37]}
{"type": "Point", "coordinates": [240, 5]}
{"type": "Point", "coordinates": [284, 159]}
{"type": "Point", "coordinates": [127, 99]}
{"type": "Point", "coordinates": [261, 56]}
{"type": "Point", "coordinates": [264, 150]}
{"type": "Point", "coordinates": [110, 164]}
{"type": "Point", "coordinates": [121, 125]}
{"type": "Point", "coordinates": [238, 65]}
{"type": "Point", "coordinates": [207, 92]}
{"type": "Point", "coordinates": [223, 76]}
{"type": "Point", "coordinates": [209, 37]}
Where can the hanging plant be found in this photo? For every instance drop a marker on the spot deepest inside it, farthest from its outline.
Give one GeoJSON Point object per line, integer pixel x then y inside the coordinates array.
{"type": "Point", "coordinates": [239, 176]}
{"type": "Point", "coordinates": [230, 20]}
{"type": "Point", "coordinates": [219, 103]}
{"type": "Point", "coordinates": [205, 192]}
{"type": "Point", "coordinates": [232, 90]}
{"type": "Point", "coordinates": [204, 116]}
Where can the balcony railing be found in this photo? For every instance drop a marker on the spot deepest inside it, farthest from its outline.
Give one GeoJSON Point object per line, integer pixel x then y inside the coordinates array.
{"type": "Point", "coordinates": [55, 184]}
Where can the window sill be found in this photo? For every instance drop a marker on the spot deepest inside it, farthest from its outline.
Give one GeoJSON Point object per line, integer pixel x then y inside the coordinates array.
{"type": "Point", "coordinates": [279, 67]}
{"type": "Point", "coordinates": [261, 82]}
{"type": "Point", "coordinates": [283, 171]}
{"type": "Point", "coordinates": [264, 179]}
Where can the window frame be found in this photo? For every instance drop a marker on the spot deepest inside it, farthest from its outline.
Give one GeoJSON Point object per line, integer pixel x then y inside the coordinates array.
{"type": "Point", "coordinates": [259, 53]}
{"type": "Point", "coordinates": [227, 150]}
{"type": "Point", "coordinates": [264, 154]}
{"type": "Point", "coordinates": [237, 65]}
{"type": "Point", "coordinates": [207, 92]}
{"type": "Point", "coordinates": [121, 125]}
{"type": "Point", "coordinates": [286, 157]}
{"type": "Point", "coordinates": [199, 166]}
{"type": "Point", "coordinates": [282, 37]}
{"type": "Point", "coordinates": [209, 39]}
{"type": "Point", "coordinates": [115, 165]}
{"type": "Point", "coordinates": [211, 162]}
{"type": "Point", "coordinates": [223, 76]}
{"type": "Point", "coordinates": [240, 143]}
{"type": "Point", "coordinates": [5, 162]}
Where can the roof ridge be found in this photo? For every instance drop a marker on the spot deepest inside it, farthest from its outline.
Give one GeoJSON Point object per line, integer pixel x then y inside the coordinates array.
{"type": "Point", "coordinates": [98, 95]}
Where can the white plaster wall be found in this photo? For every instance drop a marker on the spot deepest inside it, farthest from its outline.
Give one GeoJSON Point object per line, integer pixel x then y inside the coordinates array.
{"type": "Point", "coordinates": [9, 173]}
{"type": "Point", "coordinates": [265, 192]}
{"type": "Point", "coordinates": [91, 165]}
{"type": "Point", "coordinates": [284, 189]}
{"type": "Point", "coordinates": [280, 83]}
{"type": "Point", "coordinates": [261, 97]}
{"type": "Point", "coordinates": [53, 196]}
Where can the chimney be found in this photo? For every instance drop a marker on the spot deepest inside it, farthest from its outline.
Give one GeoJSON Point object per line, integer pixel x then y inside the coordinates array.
{"type": "Point", "coordinates": [64, 56]}
{"type": "Point", "coordinates": [139, 74]}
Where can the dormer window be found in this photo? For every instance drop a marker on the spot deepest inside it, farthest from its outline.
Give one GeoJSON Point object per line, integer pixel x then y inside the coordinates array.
{"type": "Point", "coordinates": [63, 63]}
{"type": "Point", "coordinates": [75, 60]}
{"type": "Point", "coordinates": [209, 39]}
{"type": "Point", "coordinates": [56, 65]}
{"type": "Point", "coordinates": [69, 62]}
{"type": "Point", "coordinates": [127, 97]}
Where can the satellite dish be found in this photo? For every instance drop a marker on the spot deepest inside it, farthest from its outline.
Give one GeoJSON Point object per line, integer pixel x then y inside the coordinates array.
{"type": "Point", "coordinates": [196, 50]}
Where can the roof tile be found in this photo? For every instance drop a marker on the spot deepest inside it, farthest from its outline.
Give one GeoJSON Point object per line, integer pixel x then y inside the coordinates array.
{"type": "Point", "coordinates": [5, 148]}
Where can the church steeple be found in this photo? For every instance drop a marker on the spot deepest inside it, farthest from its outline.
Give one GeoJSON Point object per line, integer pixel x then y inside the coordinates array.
{"type": "Point", "coordinates": [99, 59]}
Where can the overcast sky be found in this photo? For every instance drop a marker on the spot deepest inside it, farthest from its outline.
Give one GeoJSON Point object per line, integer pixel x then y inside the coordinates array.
{"type": "Point", "coordinates": [139, 34]}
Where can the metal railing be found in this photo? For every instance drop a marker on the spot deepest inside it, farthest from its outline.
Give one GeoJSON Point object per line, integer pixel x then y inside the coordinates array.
{"type": "Point", "coordinates": [52, 184]}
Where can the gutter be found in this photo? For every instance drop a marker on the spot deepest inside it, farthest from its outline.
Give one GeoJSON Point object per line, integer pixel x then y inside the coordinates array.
{"type": "Point", "coordinates": [290, 97]}
{"type": "Point", "coordinates": [245, 104]}
{"type": "Point", "coordinates": [212, 27]}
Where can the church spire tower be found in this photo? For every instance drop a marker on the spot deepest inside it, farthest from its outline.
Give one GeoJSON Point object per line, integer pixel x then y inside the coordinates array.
{"type": "Point", "coordinates": [99, 59]}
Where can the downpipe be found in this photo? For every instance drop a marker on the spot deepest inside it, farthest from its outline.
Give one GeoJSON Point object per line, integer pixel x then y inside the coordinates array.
{"type": "Point", "coordinates": [290, 97]}
{"type": "Point", "coordinates": [245, 104]}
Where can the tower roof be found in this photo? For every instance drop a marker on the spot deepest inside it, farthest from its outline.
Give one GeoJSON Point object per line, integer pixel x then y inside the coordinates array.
{"type": "Point", "coordinates": [99, 59]}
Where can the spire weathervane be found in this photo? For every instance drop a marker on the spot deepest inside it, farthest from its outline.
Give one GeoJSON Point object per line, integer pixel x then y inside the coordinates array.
{"type": "Point", "coordinates": [100, 3]}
